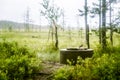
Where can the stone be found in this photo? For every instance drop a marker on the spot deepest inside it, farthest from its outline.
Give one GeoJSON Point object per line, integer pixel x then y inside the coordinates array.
{"type": "Point", "coordinates": [73, 54]}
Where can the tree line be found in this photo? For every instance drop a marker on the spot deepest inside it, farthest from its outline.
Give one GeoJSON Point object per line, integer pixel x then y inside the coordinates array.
{"type": "Point", "coordinates": [101, 8]}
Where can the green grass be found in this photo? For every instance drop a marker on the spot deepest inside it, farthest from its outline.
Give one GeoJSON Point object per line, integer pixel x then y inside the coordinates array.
{"type": "Point", "coordinates": [38, 41]}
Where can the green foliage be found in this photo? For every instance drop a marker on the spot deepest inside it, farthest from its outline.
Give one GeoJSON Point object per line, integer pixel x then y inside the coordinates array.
{"type": "Point", "coordinates": [63, 73]}
{"type": "Point", "coordinates": [9, 49]}
{"type": "Point", "coordinates": [97, 66]}
{"type": "Point", "coordinates": [99, 51]}
{"type": "Point", "coordinates": [3, 76]}
{"type": "Point", "coordinates": [106, 67]}
{"type": "Point", "coordinates": [17, 62]}
{"type": "Point", "coordinates": [50, 48]}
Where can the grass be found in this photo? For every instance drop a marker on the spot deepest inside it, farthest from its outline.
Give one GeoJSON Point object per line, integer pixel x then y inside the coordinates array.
{"type": "Point", "coordinates": [38, 41]}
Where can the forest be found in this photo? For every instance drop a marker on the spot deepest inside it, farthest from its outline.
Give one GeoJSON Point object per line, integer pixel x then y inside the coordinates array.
{"type": "Point", "coordinates": [33, 52]}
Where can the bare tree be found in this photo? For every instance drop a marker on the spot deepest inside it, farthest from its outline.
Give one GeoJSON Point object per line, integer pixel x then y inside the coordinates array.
{"type": "Point", "coordinates": [27, 20]}
{"type": "Point", "coordinates": [103, 31]}
{"type": "Point", "coordinates": [63, 19]}
{"type": "Point", "coordinates": [40, 21]}
{"type": "Point", "coordinates": [99, 11]}
{"type": "Point", "coordinates": [103, 7]}
{"type": "Point", "coordinates": [111, 28]}
{"type": "Point", "coordinates": [69, 33]}
{"type": "Point", "coordinates": [86, 25]}
{"type": "Point", "coordinates": [110, 22]}
{"type": "Point", "coordinates": [85, 14]}
{"type": "Point", "coordinates": [96, 10]}
{"type": "Point", "coordinates": [52, 13]}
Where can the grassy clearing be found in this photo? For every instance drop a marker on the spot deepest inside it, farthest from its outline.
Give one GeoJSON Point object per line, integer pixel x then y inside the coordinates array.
{"type": "Point", "coordinates": [38, 41]}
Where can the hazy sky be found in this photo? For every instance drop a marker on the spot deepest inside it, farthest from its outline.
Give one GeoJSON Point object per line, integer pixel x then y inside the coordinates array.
{"type": "Point", "coordinates": [14, 10]}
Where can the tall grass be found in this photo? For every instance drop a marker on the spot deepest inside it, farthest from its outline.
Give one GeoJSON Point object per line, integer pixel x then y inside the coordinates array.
{"type": "Point", "coordinates": [38, 41]}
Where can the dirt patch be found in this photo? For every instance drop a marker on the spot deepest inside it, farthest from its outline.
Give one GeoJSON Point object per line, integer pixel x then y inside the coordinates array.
{"type": "Point", "coordinates": [48, 70]}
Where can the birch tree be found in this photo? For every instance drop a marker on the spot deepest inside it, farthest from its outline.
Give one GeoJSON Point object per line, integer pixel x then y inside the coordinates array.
{"type": "Point", "coordinates": [52, 13]}
{"type": "Point", "coordinates": [85, 14]}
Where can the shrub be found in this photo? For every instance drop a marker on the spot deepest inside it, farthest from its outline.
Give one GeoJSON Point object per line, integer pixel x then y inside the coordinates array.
{"type": "Point", "coordinates": [17, 62]}
{"type": "Point", "coordinates": [99, 51]}
{"type": "Point", "coordinates": [3, 76]}
{"type": "Point", "coordinates": [18, 67]}
{"type": "Point", "coordinates": [106, 67]}
{"type": "Point", "coordinates": [8, 49]}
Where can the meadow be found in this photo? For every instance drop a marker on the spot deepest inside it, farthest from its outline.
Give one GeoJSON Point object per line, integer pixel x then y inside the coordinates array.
{"type": "Point", "coordinates": [40, 44]}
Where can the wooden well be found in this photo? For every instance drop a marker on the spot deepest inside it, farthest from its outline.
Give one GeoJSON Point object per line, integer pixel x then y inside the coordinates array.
{"type": "Point", "coordinates": [72, 55]}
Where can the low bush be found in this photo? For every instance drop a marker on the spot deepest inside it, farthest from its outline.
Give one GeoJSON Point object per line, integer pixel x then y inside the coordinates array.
{"type": "Point", "coordinates": [8, 49]}
{"type": "Point", "coordinates": [3, 76]}
{"type": "Point", "coordinates": [17, 62]}
{"type": "Point", "coordinates": [106, 67]}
